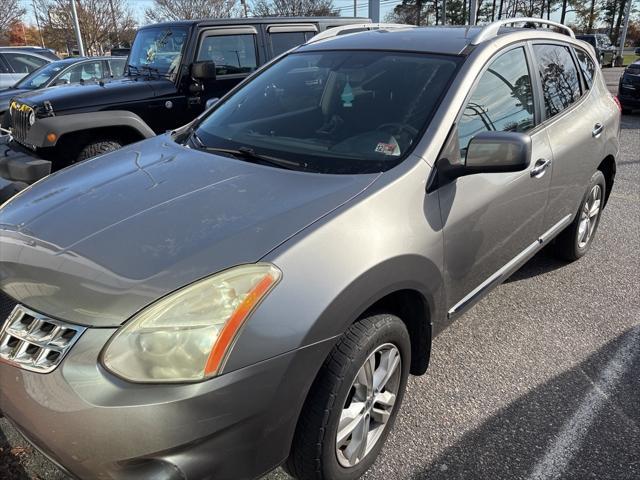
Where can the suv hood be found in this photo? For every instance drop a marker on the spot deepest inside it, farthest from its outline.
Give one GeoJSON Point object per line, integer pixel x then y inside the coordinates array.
{"type": "Point", "coordinates": [7, 95]}
{"type": "Point", "coordinates": [89, 95]}
{"type": "Point", "coordinates": [95, 243]}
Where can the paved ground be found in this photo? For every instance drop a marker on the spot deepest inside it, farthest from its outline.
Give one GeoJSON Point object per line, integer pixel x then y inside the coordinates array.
{"type": "Point", "coordinates": [538, 381]}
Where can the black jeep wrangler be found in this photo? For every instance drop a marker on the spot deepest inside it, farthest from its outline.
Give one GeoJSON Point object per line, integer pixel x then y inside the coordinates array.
{"type": "Point", "coordinates": [174, 70]}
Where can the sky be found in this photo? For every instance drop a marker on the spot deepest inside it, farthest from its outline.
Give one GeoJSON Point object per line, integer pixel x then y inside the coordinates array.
{"type": "Point", "coordinates": [344, 6]}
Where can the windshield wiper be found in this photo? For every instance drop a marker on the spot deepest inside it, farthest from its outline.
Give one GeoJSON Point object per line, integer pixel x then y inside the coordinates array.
{"type": "Point", "coordinates": [137, 70]}
{"type": "Point", "coordinates": [247, 153]}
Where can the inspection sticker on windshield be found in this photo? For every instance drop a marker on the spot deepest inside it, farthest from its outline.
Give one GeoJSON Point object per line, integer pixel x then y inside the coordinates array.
{"type": "Point", "coordinates": [388, 148]}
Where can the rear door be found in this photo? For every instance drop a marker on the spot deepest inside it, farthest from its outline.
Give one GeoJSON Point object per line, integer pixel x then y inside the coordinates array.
{"type": "Point", "coordinates": [493, 221]}
{"type": "Point", "coordinates": [283, 37]}
{"type": "Point", "coordinates": [574, 128]}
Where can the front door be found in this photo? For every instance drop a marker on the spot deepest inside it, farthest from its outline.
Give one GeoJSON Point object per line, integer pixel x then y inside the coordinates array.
{"type": "Point", "coordinates": [493, 220]}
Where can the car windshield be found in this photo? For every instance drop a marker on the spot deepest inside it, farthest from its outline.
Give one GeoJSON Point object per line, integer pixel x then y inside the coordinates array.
{"type": "Point", "coordinates": [40, 77]}
{"type": "Point", "coordinates": [333, 111]}
{"type": "Point", "coordinates": [157, 51]}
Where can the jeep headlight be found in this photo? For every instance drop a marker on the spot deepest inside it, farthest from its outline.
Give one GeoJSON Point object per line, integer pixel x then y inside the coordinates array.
{"type": "Point", "coordinates": [187, 335]}
{"type": "Point", "coordinates": [32, 118]}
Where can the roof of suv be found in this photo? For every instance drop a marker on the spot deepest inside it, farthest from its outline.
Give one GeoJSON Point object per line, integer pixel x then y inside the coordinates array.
{"type": "Point", "coordinates": [258, 20]}
{"type": "Point", "coordinates": [451, 40]}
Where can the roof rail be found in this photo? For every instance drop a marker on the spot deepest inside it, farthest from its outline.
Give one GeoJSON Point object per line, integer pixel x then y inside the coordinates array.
{"type": "Point", "coordinates": [356, 27]}
{"type": "Point", "coordinates": [491, 30]}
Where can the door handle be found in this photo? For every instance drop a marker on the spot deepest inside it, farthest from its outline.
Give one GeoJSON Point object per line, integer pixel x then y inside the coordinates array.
{"type": "Point", "coordinates": [597, 129]}
{"type": "Point", "coordinates": [540, 167]}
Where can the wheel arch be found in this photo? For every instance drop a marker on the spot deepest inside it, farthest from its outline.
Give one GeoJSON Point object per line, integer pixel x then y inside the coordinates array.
{"type": "Point", "coordinates": [608, 169]}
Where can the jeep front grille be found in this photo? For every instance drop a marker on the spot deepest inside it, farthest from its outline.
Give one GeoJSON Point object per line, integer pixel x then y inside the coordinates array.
{"type": "Point", "coordinates": [34, 342]}
{"type": "Point", "coordinates": [7, 304]}
{"type": "Point", "coordinates": [20, 124]}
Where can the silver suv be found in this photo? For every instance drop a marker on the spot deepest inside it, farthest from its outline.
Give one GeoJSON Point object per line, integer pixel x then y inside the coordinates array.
{"type": "Point", "coordinates": [255, 288]}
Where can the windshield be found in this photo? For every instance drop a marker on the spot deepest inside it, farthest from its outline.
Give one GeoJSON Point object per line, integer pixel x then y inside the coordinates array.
{"type": "Point", "coordinates": [40, 77]}
{"type": "Point", "coordinates": [333, 111]}
{"type": "Point", "coordinates": [157, 51]}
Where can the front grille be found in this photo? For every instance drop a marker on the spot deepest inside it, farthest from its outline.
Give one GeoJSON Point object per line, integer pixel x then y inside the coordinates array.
{"type": "Point", "coordinates": [34, 342]}
{"type": "Point", "coordinates": [20, 124]}
{"type": "Point", "coordinates": [7, 304]}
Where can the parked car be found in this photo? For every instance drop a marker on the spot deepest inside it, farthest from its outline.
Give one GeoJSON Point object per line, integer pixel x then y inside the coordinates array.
{"type": "Point", "coordinates": [173, 69]}
{"type": "Point", "coordinates": [256, 287]}
{"type": "Point", "coordinates": [629, 88]}
{"type": "Point", "coordinates": [605, 51]}
{"type": "Point", "coordinates": [63, 72]}
{"type": "Point", "coordinates": [16, 62]}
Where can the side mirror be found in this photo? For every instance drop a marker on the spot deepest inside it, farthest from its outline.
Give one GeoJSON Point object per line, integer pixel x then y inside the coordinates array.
{"type": "Point", "coordinates": [211, 102]}
{"type": "Point", "coordinates": [490, 152]}
{"type": "Point", "coordinates": [205, 70]}
{"type": "Point", "coordinates": [638, 51]}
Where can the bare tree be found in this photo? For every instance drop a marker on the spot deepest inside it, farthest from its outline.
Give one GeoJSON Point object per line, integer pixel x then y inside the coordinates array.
{"type": "Point", "coordinates": [294, 8]}
{"type": "Point", "coordinates": [103, 24]}
{"type": "Point", "coordinates": [11, 12]}
{"type": "Point", "coordinates": [167, 10]}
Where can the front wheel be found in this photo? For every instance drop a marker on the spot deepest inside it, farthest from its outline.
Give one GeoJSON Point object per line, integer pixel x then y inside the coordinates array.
{"type": "Point", "coordinates": [353, 402]}
{"type": "Point", "coordinates": [575, 241]}
{"type": "Point", "coordinates": [98, 147]}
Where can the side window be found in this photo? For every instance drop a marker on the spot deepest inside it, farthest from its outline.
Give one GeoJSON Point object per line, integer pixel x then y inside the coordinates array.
{"type": "Point", "coordinates": [117, 66]}
{"type": "Point", "coordinates": [283, 41]}
{"type": "Point", "coordinates": [559, 76]}
{"type": "Point", "coordinates": [502, 100]}
{"type": "Point", "coordinates": [83, 71]}
{"type": "Point", "coordinates": [232, 54]}
{"type": "Point", "coordinates": [586, 65]}
{"type": "Point", "coordinates": [3, 68]}
{"type": "Point", "coordinates": [22, 63]}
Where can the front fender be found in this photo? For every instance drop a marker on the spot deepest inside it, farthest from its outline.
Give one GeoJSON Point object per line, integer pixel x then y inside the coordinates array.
{"type": "Point", "coordinates": [38, 134]}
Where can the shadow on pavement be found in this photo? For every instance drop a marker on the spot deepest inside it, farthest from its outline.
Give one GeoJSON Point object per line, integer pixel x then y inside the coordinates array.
{"type": "Point", "coordinates": [10, 466]}
{"type": "Point", "coordinates": [544, 261]}
{"type": "Point", "coordinates": [511, 443]}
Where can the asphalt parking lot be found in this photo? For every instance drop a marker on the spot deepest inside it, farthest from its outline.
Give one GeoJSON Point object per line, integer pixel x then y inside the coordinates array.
{"type": "Point", "coordinates": [538, 381]}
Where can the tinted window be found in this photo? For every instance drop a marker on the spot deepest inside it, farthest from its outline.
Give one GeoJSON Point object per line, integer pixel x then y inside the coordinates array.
{"type": "Point", "coordinates": [38, 78]}
{"type": "Point", "coordinates": [502, 100]}
{"type": "Point", "coordinates": [334, 111]}
{"type": "Point", "coordinates": [117, 66]}
{"type": "Point", "coordinates": [586, 65]}
{"type": "Point", "coordinates": [231, 53]}
{"type": "Point", "coordinates": [22, 63]}
{"type": "Point", "coordinates": [281, 42]}
{"type": "Point", "coordinates": [559, 76]}
{"type": "Point", "coordinates": [82, 72]}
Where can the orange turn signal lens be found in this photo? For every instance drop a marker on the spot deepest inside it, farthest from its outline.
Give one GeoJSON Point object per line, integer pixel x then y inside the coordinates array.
{"type": "Point", "coordinates": [51, 137]}
{"type": "Point", "coordinates": [230, 331]}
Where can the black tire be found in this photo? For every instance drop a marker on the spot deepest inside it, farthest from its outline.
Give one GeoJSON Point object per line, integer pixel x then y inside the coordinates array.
{"type": "Point", "coordinates": [568, 245]}
{"type": "Point", "coordinates": [98, 147]}
{"type": "Point", "coordinates": [313, 453]}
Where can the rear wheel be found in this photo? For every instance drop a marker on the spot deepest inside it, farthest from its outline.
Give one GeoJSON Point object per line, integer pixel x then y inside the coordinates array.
{"type": "Point", "coordinates": [575, 241]}
{"type": "Point", "coordinates": [98, 147]}
{"type": "Point", "coordinates": [353, 402]}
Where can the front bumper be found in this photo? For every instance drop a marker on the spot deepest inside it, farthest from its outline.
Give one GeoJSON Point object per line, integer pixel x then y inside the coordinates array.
{"type": "Point", "coordinates": [18, 168]}
{"type": "Point", "coordinates": [236, 426]}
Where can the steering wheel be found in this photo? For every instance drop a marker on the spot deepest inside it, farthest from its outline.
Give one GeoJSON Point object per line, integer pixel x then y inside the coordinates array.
{"type": "Point", "coordinates": [396, 127]}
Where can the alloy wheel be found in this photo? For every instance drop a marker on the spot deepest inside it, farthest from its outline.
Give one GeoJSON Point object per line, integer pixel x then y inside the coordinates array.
{"type": "Point", "coordinates": [589, 216]}
{"type": "Point", "coordinates": [369, 405]}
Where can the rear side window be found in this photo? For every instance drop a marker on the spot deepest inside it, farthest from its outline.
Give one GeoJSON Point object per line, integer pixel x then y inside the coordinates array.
{"type": "Point", "coordinates": [232, 54]}
{"type": "Point", "coordinates": [586, 65]}
{"type": "Point", "coordinates": [283, 41]}
{"type": "Point", "coordinates": [502, 100]}
{"type": "Point", "coordinates": [559, 77]}
{"type": "Point", "coordinates": [22, 63]}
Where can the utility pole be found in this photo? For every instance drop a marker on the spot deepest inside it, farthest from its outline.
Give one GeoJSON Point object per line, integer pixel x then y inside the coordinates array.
{"type": "Point", "coordinates": [115, 24]}
{"type": "Point", "coordinates": [246, 8]}
{"type": "Point", "coordinates": [355, 8]}
{"type": "Point", "coordinates": [419, 11]}
{"type": "Point", "coordinates": [76, 26]}
{"type": "Point", "coordinates": [473, 12]}
{"type": "Point", "coordinates": [35, 14]}
{"type": "Point", "coordinates": [625, 29]}
{"type": "Point", "coordinates": [374, 10]}
{"type": "Point", "coordinates": [444, 12]}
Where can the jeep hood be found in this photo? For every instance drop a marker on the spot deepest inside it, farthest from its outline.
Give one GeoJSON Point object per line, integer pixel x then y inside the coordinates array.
{"type": "Point", "coordinates": [97, 242]}
{"type": "Point", "coordinates": [7, 95]}
{"type": "Point", "coordinates": [79, 97]}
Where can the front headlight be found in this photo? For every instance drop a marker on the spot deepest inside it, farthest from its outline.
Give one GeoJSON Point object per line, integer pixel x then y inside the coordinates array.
{"type": "Point", "coordinates": [187, 335]}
